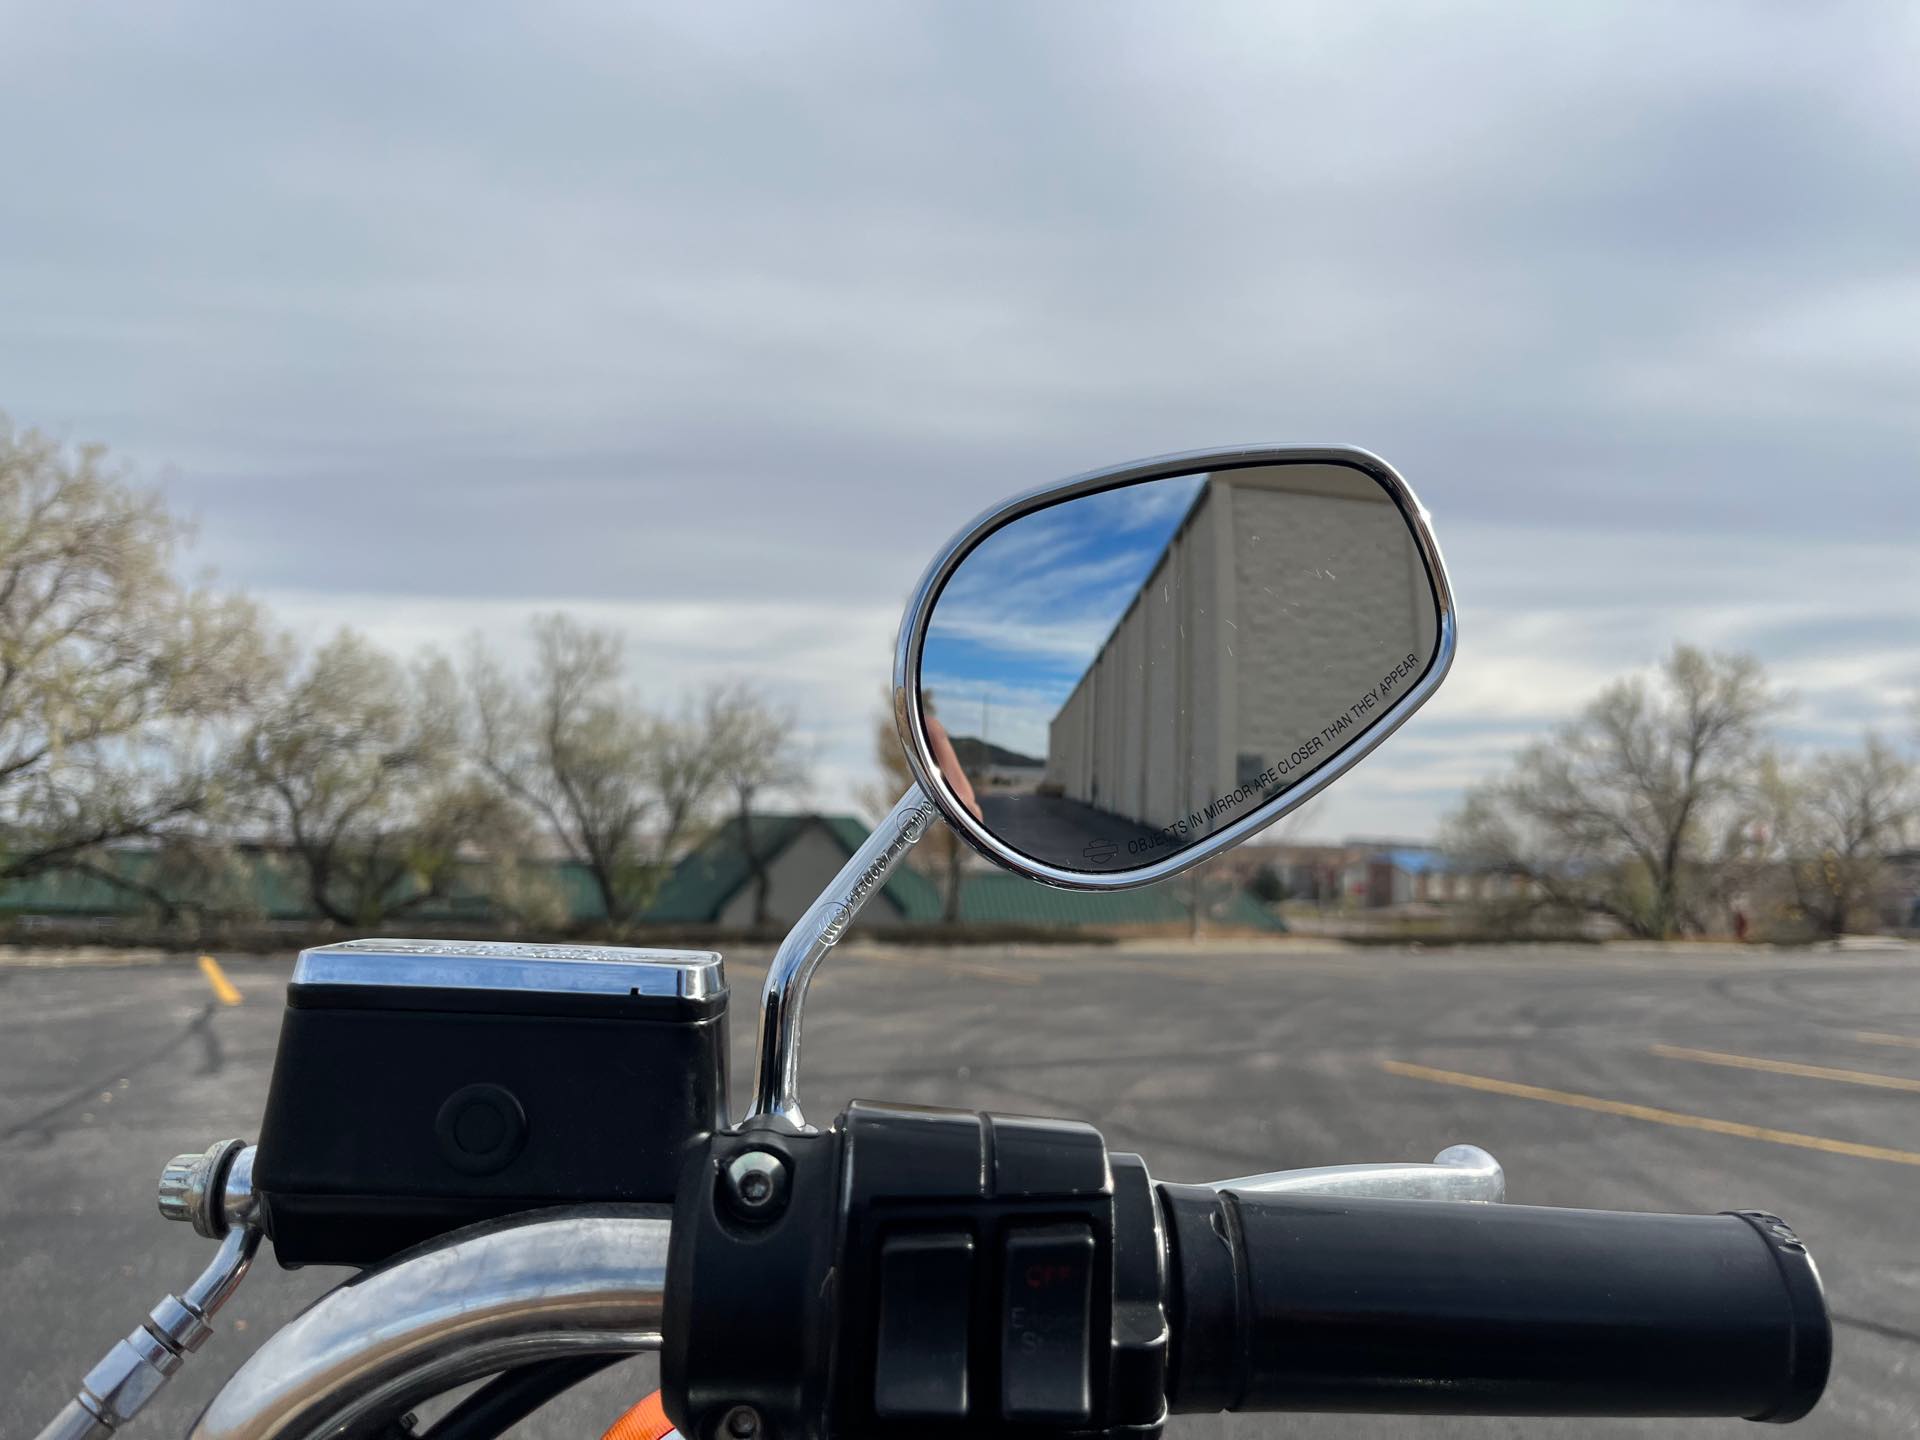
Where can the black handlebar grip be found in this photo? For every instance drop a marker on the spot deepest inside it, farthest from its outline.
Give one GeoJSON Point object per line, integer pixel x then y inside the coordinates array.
{"type": "Point", "coordinates": [1318, 1303]}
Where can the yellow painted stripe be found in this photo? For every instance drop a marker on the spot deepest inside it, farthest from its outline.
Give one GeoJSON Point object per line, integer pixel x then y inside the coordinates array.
{"type": "Point", "coordinates": [1875, 1037]}
{"type": "Point", "coordinates": [1789, 1067]}
{"type": "Point", "coordinates": [1651, 1113]}
{"type": "Point", "coordinates": [223, 988]}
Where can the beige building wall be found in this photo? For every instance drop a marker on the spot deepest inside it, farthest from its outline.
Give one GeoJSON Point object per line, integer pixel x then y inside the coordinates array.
{"type": "Point", "coordinates": [1285, 597]}
{"type": "Point", "coordinates": [1311, 645]}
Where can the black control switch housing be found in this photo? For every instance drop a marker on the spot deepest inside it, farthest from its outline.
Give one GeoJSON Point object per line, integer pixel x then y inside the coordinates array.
{"type": "Point", "coordinates": [941, 1273]}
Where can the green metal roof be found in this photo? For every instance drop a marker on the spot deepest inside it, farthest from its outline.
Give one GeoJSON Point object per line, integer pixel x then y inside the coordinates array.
{"type": "Point", "coordinates": [702, 883]}
{"type": "Point", "coordinates": [706, 880]}
{"type": "Point", "coordinates": [273, 884]}
{"type": "Point", "coordinates": [695, 893]}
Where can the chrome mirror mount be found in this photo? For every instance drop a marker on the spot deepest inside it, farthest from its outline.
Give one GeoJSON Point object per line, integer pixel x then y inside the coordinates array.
{"type": "Point", "coordinates": [776, 1080]}
{"type": "Point", "coordinates": [1323, 475]}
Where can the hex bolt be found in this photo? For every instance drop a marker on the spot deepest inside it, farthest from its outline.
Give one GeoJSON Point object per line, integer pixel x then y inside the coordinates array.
{"type": "Point", "coordinates": [742, 1422]}
{"type": "Point", "coordinates": [756, 1186]}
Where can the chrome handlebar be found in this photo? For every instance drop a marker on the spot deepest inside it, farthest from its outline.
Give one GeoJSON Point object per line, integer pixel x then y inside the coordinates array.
{"type": "Point", "coordinates": [547, 1284]}
{"type": "Point", "coordinates": [529, 1288]}
{"type": "Point", "coordinates": [494, 1297]}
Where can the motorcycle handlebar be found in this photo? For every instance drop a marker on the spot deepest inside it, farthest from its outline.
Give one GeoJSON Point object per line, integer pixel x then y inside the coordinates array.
{"type": "Point", "coordinates": [1322, 1303]}
{"type": "Point", "coordinates": [1152, 1297]}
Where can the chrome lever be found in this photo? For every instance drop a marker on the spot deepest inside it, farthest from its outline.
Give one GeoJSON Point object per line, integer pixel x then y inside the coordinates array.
{"type": "Point", "coordinates": [1459, 1172]}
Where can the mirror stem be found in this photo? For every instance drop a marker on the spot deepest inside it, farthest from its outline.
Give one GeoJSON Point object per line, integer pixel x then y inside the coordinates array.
{"type": "Point", "coordinates": [776, 1080]}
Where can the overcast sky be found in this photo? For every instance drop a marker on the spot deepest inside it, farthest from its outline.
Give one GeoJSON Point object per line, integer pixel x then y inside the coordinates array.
{"type": "Point", "coordinates": [712, 322]}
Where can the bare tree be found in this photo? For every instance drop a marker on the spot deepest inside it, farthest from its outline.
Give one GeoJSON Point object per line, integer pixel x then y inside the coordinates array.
{"type": "Point", "coordinates": [756, 751]}
{"type": "Point", "coordinates": [617, 787]}
{"type": "Point", "coordinates": [1831, 821]}
{"type": "Point", "coordinates": [118, 683]}
{"type": "Point", "coordinates": [356, 767]}
{"type": "Point", "coordinates": [1612, 813]}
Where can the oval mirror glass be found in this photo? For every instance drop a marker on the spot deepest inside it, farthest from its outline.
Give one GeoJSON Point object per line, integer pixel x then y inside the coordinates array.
{"type": "Point", "coordinates": [1115, 682]}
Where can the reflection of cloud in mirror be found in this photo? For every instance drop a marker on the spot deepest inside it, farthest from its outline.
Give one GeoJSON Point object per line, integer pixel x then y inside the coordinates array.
{"type": "Point", "coordinates": [996, 640]}
{"type": "Point", "coordinates": [1030, 605]}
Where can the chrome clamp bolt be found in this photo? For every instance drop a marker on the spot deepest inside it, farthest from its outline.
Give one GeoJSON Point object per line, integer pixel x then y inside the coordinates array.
{"type": "Point", "coordinates": [756, 1185]}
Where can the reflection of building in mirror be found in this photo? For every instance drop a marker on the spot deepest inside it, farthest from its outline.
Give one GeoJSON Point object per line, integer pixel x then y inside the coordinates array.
{"type": "Point", "coordinates": [1287, 613]}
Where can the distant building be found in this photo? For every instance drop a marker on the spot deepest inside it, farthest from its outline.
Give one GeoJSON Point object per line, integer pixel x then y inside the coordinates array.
{"type": "Point", "coordinates": [1901, 889]}
{"type": "Point", "coordinates": [714, 883]}
{"type": "Point", "coordinates": [1373, 874]}
{"type": "Point", "coordinates": [996, 768]}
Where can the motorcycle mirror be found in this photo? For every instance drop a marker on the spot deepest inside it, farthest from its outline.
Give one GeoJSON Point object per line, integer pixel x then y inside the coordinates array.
{"type": "Point", "coordinates": [1105, 681]}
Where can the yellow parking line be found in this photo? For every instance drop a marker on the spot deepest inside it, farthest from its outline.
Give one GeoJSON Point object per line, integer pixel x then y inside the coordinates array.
{"type": "Point", "coordinates": [223, 988]}
{"type": "Point", "coordinates": [1875, 1037]}
{"type": "Point", "coordinates": [1788, 1067]}
{"type": "Point", "coordinates": [1651, 1113]}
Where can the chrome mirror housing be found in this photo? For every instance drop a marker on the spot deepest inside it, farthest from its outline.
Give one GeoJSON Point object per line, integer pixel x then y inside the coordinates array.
{"type": "Point", "coordinates": [1179, 652]}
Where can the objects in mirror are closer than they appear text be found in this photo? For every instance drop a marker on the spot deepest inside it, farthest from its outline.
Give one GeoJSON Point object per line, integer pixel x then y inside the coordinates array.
{"type": "Point", "coordinates": [1343, 727]}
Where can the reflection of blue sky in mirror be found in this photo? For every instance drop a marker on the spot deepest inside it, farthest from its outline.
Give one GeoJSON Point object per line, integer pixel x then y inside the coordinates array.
{"type": "Point", "coordinates": [1026, 611]}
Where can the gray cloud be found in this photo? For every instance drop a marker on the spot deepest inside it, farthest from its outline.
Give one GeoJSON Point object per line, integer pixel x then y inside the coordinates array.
{"type": "Point", "coordinates": [430, 318]}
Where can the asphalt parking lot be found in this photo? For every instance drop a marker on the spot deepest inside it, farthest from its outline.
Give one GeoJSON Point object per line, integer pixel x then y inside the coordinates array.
{"type": "Point", "coordinates": [1682, 1081]}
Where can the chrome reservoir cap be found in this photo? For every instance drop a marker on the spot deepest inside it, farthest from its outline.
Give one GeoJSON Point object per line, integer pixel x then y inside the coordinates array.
{"type": "Point", "coordinates": [514, 966]}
